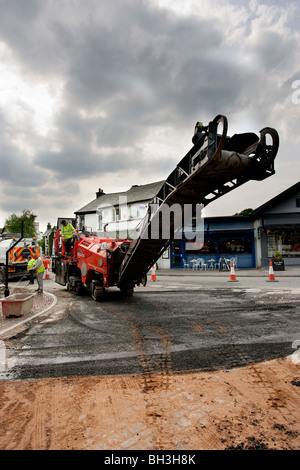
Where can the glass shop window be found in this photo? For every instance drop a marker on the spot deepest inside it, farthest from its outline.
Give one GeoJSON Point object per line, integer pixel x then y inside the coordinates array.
{"type": "Point", "coordinates": [209, 247]}
{"type": "Point", "coordinates": [286, 241]}
{"type": "Point", "coordinates": [234, 246]}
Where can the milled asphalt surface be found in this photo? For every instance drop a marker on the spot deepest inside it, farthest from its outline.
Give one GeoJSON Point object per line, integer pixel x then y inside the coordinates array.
{"type": "Point", "coordinates": [181, 321]}
{"type": "Point", "coordinates": [213, 279]}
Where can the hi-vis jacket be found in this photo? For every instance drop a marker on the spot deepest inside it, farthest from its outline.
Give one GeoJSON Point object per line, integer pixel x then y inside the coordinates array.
{"type": "Point", "coordinates": [67, 231]}
{"type": "Point", "coordinates": [30, 264]}
{"type": "Point", "coordinates": [39, 266]}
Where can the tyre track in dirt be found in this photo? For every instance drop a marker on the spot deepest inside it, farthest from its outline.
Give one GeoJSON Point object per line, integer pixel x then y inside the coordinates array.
{"type": "Point", "coordinates": [153, 378]}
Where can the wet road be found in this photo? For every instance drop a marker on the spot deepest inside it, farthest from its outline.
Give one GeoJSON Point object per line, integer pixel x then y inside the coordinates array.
{"type": "Point", "coordinates": [174, 326]}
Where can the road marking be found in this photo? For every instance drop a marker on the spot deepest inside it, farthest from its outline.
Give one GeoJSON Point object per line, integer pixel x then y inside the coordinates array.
{"type": "Point", "coordinates": [2, 356]}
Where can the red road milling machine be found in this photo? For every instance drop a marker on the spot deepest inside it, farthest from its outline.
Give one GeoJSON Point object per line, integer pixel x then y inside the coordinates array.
{"type": "Point", "coordinates": [215, 165]}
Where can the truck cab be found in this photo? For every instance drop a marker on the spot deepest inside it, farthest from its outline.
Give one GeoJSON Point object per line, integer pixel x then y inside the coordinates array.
{"type": "Point", "coordinates": [17, 259]}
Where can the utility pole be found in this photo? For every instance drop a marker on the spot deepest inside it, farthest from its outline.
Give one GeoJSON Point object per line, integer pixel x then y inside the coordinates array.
{"type": "Point", "coordinates": [6, 292]}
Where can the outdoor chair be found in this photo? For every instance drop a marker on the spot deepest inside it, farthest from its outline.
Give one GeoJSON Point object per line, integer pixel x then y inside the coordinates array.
{"type": "Point", "coordinates": [203, 265]}
{"type": "Point", "coordinates": [185, 264]}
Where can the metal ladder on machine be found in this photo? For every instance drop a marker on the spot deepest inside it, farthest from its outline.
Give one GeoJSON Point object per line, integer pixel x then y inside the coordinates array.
{"type": "Point", "coordinates": [214, 166]}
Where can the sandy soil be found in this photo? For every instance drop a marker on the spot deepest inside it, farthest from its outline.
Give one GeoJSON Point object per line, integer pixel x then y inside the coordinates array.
{"type": "Point", "coordinates": [256, 407]}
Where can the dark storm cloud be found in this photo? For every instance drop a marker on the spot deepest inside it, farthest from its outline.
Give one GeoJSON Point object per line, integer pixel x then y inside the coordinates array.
{"type": "Point", "coordinates": [126, 49]}
{"type": "Point", "coordinates": [76, 162]}
{"type": "Point", "coordinates": [16, 167]}
{"type": "Point", "coordinates": [128, 67]}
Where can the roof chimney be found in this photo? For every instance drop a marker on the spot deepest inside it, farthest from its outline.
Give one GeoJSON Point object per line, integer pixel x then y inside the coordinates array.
{"type": "Point", "coordinates": [100, 192]}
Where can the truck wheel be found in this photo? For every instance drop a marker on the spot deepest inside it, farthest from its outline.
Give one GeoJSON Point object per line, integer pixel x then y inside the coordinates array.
{"type": "Point", "coordinates": [127, 290]}
{"type": "Point", "coordinates": [76, 290]}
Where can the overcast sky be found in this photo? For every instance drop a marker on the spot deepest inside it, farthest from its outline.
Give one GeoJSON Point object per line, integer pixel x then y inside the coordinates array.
{"type": "Point", "coordinates": [105, 94]}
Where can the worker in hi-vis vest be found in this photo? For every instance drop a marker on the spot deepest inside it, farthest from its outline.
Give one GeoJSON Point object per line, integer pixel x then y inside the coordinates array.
{"type": "Point", "coordinates": [67, 233]}
{"type": "Point", "coordinates": [39, 268]}
{"type": "Point", "coordinates": [30, 264]}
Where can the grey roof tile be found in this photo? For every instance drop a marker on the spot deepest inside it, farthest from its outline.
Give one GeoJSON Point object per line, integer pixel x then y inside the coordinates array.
{"type": "Point", "coordinates": [137, 193]}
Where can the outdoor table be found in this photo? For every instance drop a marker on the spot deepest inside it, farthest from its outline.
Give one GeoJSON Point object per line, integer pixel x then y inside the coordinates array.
{"type": "Point", "coordinates": [196, 264]}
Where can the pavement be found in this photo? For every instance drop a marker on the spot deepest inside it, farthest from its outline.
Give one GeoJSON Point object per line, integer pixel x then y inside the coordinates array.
{"type": "Point", "coordinates": [290, 271]}
{"type": "Point", "coordinates": [41, 304]}
{"type": "Point", "coordinates": [166, 280]}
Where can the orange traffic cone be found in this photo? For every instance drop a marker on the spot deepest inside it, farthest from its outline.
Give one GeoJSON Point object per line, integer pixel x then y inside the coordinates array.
{"type": "Point", "coordinates": [271, 273]}
{"type": "Point", "coordinates": [47, 268]}
{"type": "Point", "coordinates": [232, 275]}
{"type": "Point", "coordinates": [153, 275]}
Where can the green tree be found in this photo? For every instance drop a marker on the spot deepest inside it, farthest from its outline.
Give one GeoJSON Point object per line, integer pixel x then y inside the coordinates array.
{"type": "Point", "coordinates": [245, 212]}
{"type": "Point", "coordinates": [14, 223]}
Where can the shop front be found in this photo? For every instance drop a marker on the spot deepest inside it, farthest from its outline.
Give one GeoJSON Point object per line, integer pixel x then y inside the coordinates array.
{"type": "Point", "coordinates": [286, 241]}
{"type": "Point", "coordinates": [229, 239]}
{"type": "Point", "coordinates": [278, 228]}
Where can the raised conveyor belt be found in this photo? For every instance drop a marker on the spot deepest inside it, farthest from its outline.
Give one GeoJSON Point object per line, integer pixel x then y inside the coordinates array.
{"type": "Point", "coordinates": [215, 165]}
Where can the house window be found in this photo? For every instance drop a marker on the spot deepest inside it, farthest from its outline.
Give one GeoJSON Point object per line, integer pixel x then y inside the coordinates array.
{"type": "Point", "coordinates": [117, 213]}
{"type": "Point", "coordinates": [141, 210]}
{"type": "Point", "coordinates": [100, 220]}
{"type": "Point", "coordinates": [297, 201]}
{"type": "Point", "coordinates": [133, 212]}
{"type": "Point", "coordinates": [81, 222]}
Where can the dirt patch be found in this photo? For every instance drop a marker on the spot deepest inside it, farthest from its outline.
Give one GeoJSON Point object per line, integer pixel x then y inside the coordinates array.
{"type": "Point", "coordinates": [256, 407]}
